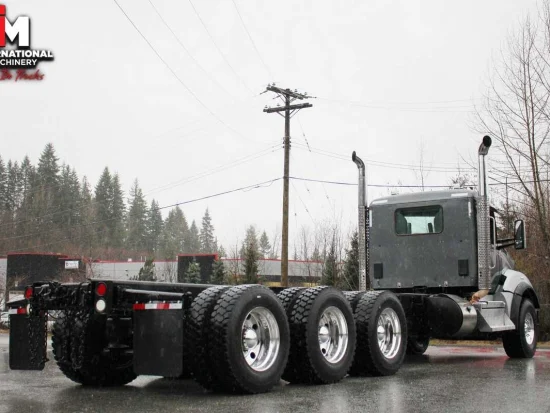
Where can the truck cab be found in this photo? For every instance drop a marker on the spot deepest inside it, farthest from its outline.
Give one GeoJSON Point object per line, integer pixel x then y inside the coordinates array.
{"type": "Point", "coordinates": [439, 252]}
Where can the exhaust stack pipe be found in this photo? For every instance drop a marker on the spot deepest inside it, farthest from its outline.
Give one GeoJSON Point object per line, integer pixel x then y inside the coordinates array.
{"type": "Point", "coordinates": [363, 224]}
{"type": "Point", "coordinates": [483, 221]}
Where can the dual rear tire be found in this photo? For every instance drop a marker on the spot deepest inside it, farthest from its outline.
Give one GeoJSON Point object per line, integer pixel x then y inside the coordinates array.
{"type": "Point", "coordinates": [238, 339]}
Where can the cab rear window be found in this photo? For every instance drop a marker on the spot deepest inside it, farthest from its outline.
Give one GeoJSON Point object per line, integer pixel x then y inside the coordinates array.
{"type": "Point", "coordinates": [419, 220]}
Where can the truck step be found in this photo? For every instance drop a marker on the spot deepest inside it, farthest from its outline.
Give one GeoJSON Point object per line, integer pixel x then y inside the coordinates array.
{"type": "Point", "coordinates": [492, 317]}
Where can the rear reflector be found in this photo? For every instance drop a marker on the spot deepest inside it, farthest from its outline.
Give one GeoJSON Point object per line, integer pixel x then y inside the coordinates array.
{"type": "Point", "coordinates": [158, 306]}
{"type": "Point", "coordinates": [20, 310]}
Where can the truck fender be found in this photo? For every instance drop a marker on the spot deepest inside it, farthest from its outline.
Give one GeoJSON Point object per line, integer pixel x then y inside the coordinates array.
{"type": "Point", "coordinates": [523, 290]}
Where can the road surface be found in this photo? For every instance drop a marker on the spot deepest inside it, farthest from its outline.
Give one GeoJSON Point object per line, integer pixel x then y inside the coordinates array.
{"type": "Point", "coordinates": [446, 379]}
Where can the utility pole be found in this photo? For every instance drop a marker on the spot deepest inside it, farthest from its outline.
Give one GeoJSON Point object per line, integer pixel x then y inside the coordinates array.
{"type": "Point", "coordinates": [287, 96]}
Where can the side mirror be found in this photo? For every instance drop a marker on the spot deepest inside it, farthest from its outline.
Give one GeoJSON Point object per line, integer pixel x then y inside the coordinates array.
{"type": "Point", "coordinates": [520, 241]}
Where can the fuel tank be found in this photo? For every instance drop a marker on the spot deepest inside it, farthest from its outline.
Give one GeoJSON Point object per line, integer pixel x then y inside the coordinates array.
{"type": "Point", "coordinates": [450, 316]}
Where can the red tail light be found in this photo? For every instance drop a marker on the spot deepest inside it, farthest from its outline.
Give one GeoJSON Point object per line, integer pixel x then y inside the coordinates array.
{"type": "Point", "coordinates": [101, 289]}
{"type": "Point", "coordinates": [28, 293]}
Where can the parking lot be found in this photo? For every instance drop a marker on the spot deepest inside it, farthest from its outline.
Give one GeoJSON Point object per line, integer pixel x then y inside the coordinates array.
{"type": "Point", "coordinates": [445, 379]}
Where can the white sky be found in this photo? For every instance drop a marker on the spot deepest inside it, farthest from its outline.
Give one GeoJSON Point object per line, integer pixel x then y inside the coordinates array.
{"type": "Point", "coordinates": [414, 68]}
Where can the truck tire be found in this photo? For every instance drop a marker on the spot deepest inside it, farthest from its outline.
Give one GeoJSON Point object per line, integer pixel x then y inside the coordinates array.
{"type": "Point", "coordinates": [288, 297]}
{"type": "Point", "coordinates": [250, 340]}
{"type": "Point", "coordinates": [97, 369]}
{"type": "Point", "coordinates": [322, 337]}
{"type": "Point", "coordinates": [199, 335]}
{"type": "Point", "coordinates": [522, 342]}
{"type": "Point", "coordinates": [417, 345]}
{"type": "Point", "coordinates": [381, 334]}
{"type": "Point", "coordinates": [354, 297]}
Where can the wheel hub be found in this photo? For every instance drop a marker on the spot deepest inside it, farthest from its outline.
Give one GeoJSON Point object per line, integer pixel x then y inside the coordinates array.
{"type": "Point", "coordinates": [333, 334]}
{"type": "Point", "coordinates": [250, 338]}
{"type": "Point", "coordinates": [529, 328]}
{"type": "Point", "coordinates": [388, 333]}
{"type": "Point", "coordinates": [260, 339]}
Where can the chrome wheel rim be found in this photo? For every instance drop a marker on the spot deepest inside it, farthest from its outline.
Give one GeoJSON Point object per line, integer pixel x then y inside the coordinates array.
{"type": "Point", "coordinates": [529, 329]}
{"type": "Point", "coordinates": [260, 339]}
{"type": "Point", "coordinates": [388, 333]}
{"type": "Point", "coordinates": [333, 334]}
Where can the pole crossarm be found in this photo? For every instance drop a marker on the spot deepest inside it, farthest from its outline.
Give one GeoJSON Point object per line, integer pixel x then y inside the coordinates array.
{"type": "Point", "coordinates": [287, 92]}
{"type": "Point", "coordinates": [289, 107]}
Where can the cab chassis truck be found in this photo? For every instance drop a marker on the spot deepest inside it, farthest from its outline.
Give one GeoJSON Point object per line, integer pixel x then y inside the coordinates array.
{"type": "Point", "coordinates": [436, 269]}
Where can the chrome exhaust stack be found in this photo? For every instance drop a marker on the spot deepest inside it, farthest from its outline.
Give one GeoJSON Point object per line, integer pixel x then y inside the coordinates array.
{"type": "Point", "coordinates": [483, 220]}
{"type": "Point", "coordinates": [363, 224]}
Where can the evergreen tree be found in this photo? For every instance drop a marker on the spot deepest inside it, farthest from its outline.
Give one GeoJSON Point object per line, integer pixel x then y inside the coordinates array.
{"type": "Point", "coordinates": [117, 212]}
{"type": "Point", "coordinates": [12, 185]}
{"type": "Point", "coordinates": [221, 252]}
{"type": "Point", "coordinates": [174, 234]}
{"type": "Point", "coordinates": [250, 238]}
{"type": "Point", "coordinates": [330, 270]}
{"type": "Point", "coordinates": [218, 273]}
{"type": "Point", "coordinates": [47, 200]}
{"type": "Point", "coordinates": [351, 265]}
{"type": "Point", "coordinates": [29, 205]}
{"type": "Point", "coordinates": [103, 209]}
{"type": "Point", "coordinates": [69, 197]}
{"type": "Point", "coordinates": [192, 242]}
{"type": "Point", "coordinates": [193, 273]}
{"type": "Point", "coordinates": [250, 255]}
{"type": "Point", "coordinates": [48, 168]}
{"type": "Point", "coordinates": [147, 272]}
{"type": "Point", "coordinates": [27, 177]}
{"type": "Point", "coordinates": [154, 227]}
{"type": "Point", "coordinates": [206, 235]}
{"type": "Point", "coordinates": [87, 232]}
{"type": "Point", "coordinates": [136, 222]}
{"type": "Point", "coordinates": [265, 246]}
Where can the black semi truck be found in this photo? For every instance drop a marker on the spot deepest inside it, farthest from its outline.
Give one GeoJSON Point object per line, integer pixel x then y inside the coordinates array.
{"type": "Point", "coordinates": [436, 268]}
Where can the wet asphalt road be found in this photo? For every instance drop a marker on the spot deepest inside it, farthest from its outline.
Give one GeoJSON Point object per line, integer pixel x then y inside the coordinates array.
{"type": "Point", "coordinates": [446, 379]}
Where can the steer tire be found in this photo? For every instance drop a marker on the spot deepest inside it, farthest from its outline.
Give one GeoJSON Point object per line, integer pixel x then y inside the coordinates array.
{"type": "Point", "coordinates": [98, 368]}
{"type": "Point", "coordinates": [237, 313]}
{"type": "Point", "coordinates": [515, 342]}
{"type": "Point", "coordinates": [369, 358]}
{"type": "Point", "coordinates": [200, 335]}
{"type": "Point", "coordinates": [416, 346]}
{"type": "Point", "coordinates": [307, 363]}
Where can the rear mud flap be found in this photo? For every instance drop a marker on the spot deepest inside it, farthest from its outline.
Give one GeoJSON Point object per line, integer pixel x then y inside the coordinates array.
{"type": "Point", "coordinates": [27, 349]}
{"type": "Point", "coordinates": [158, 339]}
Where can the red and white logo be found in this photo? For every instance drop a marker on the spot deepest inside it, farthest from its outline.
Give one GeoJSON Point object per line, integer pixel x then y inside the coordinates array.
{"type": "Point", "coordinates": [15, 49]}
{"type": "Point", "coordinates": [20, 29]}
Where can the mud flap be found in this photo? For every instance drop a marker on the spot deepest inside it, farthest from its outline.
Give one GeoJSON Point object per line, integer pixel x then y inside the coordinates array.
{"type": "Point", "coordinates": [27, 348]}
{"type": "Point", "coordinates": [158, 339]}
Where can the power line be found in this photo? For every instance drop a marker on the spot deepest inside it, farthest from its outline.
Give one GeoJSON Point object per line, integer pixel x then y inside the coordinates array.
{"type": "Point", "coordinates": [187, 50]}
{"type": "Point", "coordinates": [400, 185]}
{"type": "Point", "coordinates": [440, 109]}
{"type": "Point", "coordinates": [217, 48]}
{"type": "Point", "coordinates": [264, 184]}
{"type": "Point", "coordinates": [302, 201]}
{"type": "Point", "coordinates": [382, 164]}
{"type": "Point", "coordinates": [252, 41]}
{"type": "Point", "coordinates": [177, 77]}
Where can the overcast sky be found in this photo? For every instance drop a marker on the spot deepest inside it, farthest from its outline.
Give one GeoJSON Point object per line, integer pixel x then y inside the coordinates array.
{"type": "Point", "coordinates": [390, 77]}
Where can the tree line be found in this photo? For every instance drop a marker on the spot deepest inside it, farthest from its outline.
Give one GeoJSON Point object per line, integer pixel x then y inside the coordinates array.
{"type": "Point", "coordinates": [47, 207]}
